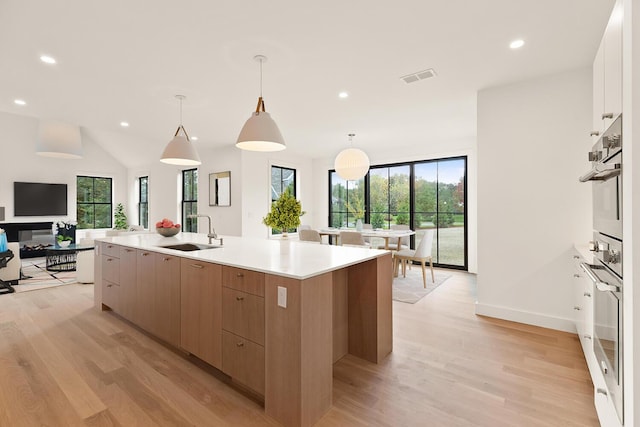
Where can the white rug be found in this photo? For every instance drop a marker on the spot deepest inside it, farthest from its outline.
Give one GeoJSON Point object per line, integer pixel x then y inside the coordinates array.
{"type": "Point", "coordinates": [411, 289]}
{"type": "Point", "coordinates": [37, 277]}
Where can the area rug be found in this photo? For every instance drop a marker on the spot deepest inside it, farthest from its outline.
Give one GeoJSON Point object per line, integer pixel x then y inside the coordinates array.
{"type": "Point", "coordinates": [410, 289]}
{"type": "Point", "coordinates": [37, 277]}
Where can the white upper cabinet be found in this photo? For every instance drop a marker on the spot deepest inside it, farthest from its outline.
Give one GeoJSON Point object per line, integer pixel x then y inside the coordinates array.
{"type": "Point", "coordinates": [613, 66]}
{"type": "Point", "coordinates": [598, 93]}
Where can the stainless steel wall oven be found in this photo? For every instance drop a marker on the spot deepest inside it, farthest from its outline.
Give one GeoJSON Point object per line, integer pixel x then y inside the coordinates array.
{"type": "Point", "coordinates": [606, 269]}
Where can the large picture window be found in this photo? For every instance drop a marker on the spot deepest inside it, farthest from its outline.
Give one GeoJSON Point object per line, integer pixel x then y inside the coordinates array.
{"type": "Point", "coordinates": [189, 199]}
{"type": "Point", "coordinates": [425, 195]}
{"type": "Point", "coordinates": [93, 202]}
{"type": "Point", "coordinates": [143, 201]}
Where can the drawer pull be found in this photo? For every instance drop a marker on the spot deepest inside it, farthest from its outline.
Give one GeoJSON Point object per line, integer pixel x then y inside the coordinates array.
{"type": "Point", "coordinates": [576, 275]}
{"type": "Point", "coordinates": [575, 307]}
{"type": "Point", "coordinates": [166, 259]}
{"type": "Point", "coordinates": [109, 259]}
{"type": "Point", "coordinates": [607, 116]}
{"type": "Point", "coordinates": [587, 336]}
{"type": "Point", "coordinates": [240, 344]}
{"type": "Point", "coordinates": [128, 250]}
{"type": "Point", "coordinates": [240, 275]}
{"type": "Point", "coordinates": [601, 391]}
{"type": "Point", "coordinates": [144, 253]}
{"type": "Point", "coordinates": [108, 286]}
{"type": "Point", "coordinates": [576, 257]}
{"type": "Point", "coordinates": [587, 294]}
{"type": "Point", "coordinates": [239, 298]}
{"type": "Point", "coordinates": [109, 246]}
{"type": "Point", "coordinates": [197, 266]}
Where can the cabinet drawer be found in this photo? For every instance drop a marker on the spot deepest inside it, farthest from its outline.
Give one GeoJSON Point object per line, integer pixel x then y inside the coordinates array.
{"type": "Point", "coordinates": [111, 269]}
{"type": "Point", "coordinates": [243, 314]}
{"type": "Point", "coordinates": [251, 282]}
{"type": "Point", "coordinates": [243, 360]}
{"type": "Point", "coordinates": [110, 249]}
{"type": "Point", "coordinates": [111, 295]}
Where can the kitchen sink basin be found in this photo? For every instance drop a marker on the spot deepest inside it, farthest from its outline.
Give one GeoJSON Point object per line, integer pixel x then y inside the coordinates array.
{"type": "Point", "coordinates": [187, 247]}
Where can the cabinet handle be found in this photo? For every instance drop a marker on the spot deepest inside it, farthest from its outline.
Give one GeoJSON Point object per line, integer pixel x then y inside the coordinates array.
{"type": "Point", "coordinates": [576, 308]}
{"type": "Point", "coordinates": [576, 257]}
{"type": "Point", "coordinates": [128, 250]}
{"type": "Point", "coordinates": [108, 286]}
{"type": "Point", "coordinates": [109, 259]}
{"type": "Point", "coordinates": [607, 116]}
{"type": "Point", "coordinates": [109, 246]}
{"type": "Point", "coordinates": [240, 275]}
{"type": "Point", "coordinates": [594, 133]}
{"type": "Point", "coordinates": [587, 294]}
{"type": "Point", "coordinates": [239, 298]}
{"type": "Point", "coordinates": [197, 266]}
{"type": "Point", "coordinates": [144, 253]}
{"type": "Point", "coordinates": [587, 336]}
{"type": "Point", "coordinates": [240, 344]}
{"type": "Point", "coordinates": [601, 391]}
{"type": "Point", "coordinates": [603, 365]}
{"type": "Point", "coordinates": [576, 275]}
{"type": "Point", "coordinates": [166, 259]}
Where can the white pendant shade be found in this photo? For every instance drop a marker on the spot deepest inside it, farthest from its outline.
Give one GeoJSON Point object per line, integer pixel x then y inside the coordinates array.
{"type": "Point", "coordinates": [260, 133]}
{"type": "Point", "coordinates": [59, 139]}
{"type": "Point", "coordinates": [179, 151]}
{"type": "Point", "coordinates": [352, 164]}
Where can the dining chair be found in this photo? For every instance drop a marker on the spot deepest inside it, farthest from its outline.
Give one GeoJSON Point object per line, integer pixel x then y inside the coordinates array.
{"type": "Point", "coordinates": [304, 227]}
{"type": "Point", "coordinates": [352, 238]}
{"type": "Point", "coordinates": [422, 254]}
{"type": "Point", "coordinates": [309, 236]}
{"type": "Point", "coordinates": [405, 242]}
{"type": "Point", "coordinates": [367, 239]}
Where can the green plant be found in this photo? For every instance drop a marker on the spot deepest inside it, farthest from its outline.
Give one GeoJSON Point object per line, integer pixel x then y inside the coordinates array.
{"type": "Point", "coordinates": [61, 238]}
{"type": "Point", "coordinates": [120, 218]}
{"type": "Point", "coordinates": [285, 213]}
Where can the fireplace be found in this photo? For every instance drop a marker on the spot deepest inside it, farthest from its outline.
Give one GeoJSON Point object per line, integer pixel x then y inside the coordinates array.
{"type": "Point", "coordinates": [34, 237]}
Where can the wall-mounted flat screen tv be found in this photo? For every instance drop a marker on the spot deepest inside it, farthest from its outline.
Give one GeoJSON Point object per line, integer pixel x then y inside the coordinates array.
{"type": "Point", "coordinates": [39, 199]}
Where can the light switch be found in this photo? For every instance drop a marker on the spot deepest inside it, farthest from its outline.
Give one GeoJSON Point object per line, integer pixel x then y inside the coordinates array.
{"type": "Point", "coordinates": [282, 297]}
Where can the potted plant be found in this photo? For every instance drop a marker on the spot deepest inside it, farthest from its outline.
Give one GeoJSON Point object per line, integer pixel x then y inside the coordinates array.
{"type": "Point", "coordinates": [285, 214]}
{"type": "Point", "coordinates": [64, 241]}
{"type": "Point", "coordinates": [120, 218]}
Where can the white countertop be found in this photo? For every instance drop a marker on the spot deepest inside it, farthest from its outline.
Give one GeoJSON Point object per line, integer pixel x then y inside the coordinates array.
{"type": "Point", "coordinates": [288, 258]}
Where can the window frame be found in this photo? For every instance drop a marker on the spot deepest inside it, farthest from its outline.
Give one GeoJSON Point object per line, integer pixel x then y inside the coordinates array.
{"type": "Point", "coordinates": [189, 224]}
{"type": "Point", "coordinates": [94, 204]}
{"type": "Point", "coordinates": [144, 222]}
{"type": "Point", "coordinates": [272, 190]}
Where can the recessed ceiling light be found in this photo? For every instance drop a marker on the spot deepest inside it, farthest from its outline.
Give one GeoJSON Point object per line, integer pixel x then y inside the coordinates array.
{"type": "Point", "coordinates": [124, 124]}
{"type": "Point", "coordinates": [516, 44]}
{"type": "Point", "coordinates": [343, 95]}
{"type": "Point", "coordinates": [47, 59]}
{"type": "Point", "coordinates": [20, 102]}
{"type": "Point", "coordinates": [194, 138]}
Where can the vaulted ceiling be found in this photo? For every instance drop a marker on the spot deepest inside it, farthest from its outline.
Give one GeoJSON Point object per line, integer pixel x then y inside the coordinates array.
{"type": "Point", "coordinates": [125, 60]}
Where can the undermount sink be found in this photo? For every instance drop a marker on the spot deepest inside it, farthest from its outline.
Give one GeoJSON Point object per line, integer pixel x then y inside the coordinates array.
{"type": "Point", "coordinates": [187, 247]}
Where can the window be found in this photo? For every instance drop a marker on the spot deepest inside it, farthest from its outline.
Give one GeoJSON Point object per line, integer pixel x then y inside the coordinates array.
{"type": "Point", "coordinates": [429, 194]}
{"type": "Point", "coordinates": [189, 199]}
{"type": "Point", "coordinates": [143, 201]}
{"type": "Point", "coordinates": [93, 202]}
{"type": "Point", "coordinates": [282, 179]}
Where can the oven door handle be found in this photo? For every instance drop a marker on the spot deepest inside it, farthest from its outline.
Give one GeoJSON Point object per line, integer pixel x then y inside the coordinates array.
{"type": "Point", "coordinates": [601, 174]}
{"type": "Point", "coordinates": [600, 285]}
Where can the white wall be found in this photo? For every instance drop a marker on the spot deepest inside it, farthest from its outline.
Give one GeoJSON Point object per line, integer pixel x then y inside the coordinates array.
{"type": "Point", "coordinates": [427, 151]}
{"type": "Point", "coordinates": [533, 139]}
{"type": "Point", "coordinates": [20, 162]}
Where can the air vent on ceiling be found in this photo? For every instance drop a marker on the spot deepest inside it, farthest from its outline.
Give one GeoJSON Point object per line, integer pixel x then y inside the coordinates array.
{"type": "Point", "coordinates": [420, 75]}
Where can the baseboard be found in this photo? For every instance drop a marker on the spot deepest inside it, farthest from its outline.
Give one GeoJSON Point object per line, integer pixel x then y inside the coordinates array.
{"type": "Point", "coordinates": [536, 319]}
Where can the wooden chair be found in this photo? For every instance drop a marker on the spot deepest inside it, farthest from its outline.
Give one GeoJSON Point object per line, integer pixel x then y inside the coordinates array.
{"type": "Point", "coordinates": [422, 254]}
{"type": "Point", "coordinates": [404, 241]}
{"type": "Point", "coordinates": [352, 238]}
{"type": "Point", "coordinates": [309, 236]}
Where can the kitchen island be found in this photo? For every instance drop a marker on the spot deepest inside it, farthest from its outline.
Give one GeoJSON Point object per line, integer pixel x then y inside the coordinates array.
{"type": "Point", "coordinates": [273, 315]}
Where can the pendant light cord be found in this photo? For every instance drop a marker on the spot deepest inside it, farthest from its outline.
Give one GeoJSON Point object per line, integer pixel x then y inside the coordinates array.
{"type": "Point", "coordinates": [260, 100]}
{"type": "Point", "coordinates": [181, 97]}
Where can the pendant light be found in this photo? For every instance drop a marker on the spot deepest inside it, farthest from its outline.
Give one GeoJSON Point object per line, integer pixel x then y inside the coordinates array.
{"type": "Point", "coordinates": [180, 151]}
{"type": "Point", "coordinates": [352, 163]}
{"type": "Point", "coordinates": [260, 132]}
{"type": "Point", "coordinates": [58, 139]}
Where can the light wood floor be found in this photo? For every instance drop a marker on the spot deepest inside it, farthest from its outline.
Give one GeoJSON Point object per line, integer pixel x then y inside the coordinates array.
{"type": "Point", "coordinates": [62, 363]}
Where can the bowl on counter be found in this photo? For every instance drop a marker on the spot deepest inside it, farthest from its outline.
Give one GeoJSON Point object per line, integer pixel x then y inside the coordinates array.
{"type": "Point", "coordinates": [168, 231]}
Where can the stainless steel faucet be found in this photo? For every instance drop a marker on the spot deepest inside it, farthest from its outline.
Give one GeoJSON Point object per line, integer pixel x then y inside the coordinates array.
{"type": "Point", "coordinates": [212, 233]}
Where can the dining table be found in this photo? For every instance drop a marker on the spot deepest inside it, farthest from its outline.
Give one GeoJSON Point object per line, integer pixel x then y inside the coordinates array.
{"type": "Point", "coordinates": [386, 235]}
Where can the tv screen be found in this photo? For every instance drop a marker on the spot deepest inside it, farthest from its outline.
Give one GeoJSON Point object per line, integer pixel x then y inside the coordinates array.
{"type": "Point", "coordinates": [38, 199]}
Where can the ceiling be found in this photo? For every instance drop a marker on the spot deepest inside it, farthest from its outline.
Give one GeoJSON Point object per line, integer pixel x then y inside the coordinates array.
{"type": "Point", "coordinates": [125, 60]}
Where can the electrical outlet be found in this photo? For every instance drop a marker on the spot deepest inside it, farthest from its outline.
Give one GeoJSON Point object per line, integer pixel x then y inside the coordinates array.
{"type": "Point", "coordinates": [282, 297]}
